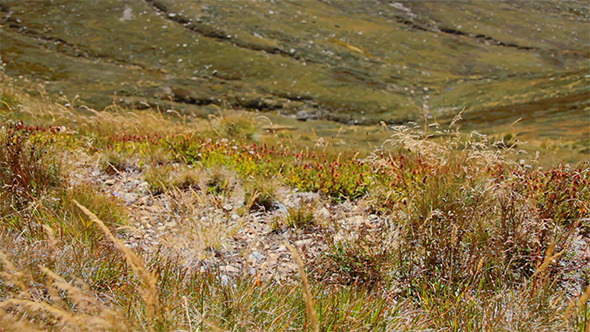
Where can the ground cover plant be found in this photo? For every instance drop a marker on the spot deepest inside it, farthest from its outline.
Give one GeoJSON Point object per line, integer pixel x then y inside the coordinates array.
{"type": "Point", "coordinates": [146, 220]}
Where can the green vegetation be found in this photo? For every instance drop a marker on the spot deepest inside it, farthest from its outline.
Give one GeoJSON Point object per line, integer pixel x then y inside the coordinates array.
{"type": "Point", "coordinates": [345, 61]}
{"type": "Point", "coordinates": [167, 177]}
{"type": "Point", "coordinates": [456, 232]}
{"type": "Point", "coordinates": [301, 216]}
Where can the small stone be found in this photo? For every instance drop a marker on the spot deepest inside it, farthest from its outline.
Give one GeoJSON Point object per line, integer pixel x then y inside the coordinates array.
{"type": "Point", "coordinates": [143, 186]}
{"type": "Point", "coordinates": [109, 182]}
{"type": "Point", "coordinates": [301, 243]}
{"type": "Point", "coordinates": [288, 267]}
{"type": "Point", "coordinates": [302, 115]}
{"type": "Point", "coordinates": [224, 280]}
{"type": "Point", "coordinates": [229, 269]}
{"type": "Point", "coordinates": [324, 213]}
{"type": "Point", "coordinates": [356, 220]}
{"type": "Point", "coordinates": [129, 198]}
{"type": "Point", "coordinates": [146, 200]}
{"type": "Point", "coordinates": [338, 237]}
{"type": "Point", "coordinates": [228, 207]}
{"type": "Point", "coordinates": [255, 256]}
{"type": "Point", "coordinates": [347, 206]}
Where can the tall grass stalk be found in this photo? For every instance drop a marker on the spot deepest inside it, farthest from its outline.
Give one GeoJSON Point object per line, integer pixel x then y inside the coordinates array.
{"type": "Point", "coordinates": [148, 280]}
{"type": "Point", "coordinates": [306, 289]}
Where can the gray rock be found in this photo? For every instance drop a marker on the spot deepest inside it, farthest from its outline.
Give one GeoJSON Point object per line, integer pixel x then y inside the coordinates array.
{"type": "Point", "coordinates": [256, 256]}
{"type": "Point", "coordinates": [230, 269]}
{"type": "Point", "coordinates": [323, 213]}
{"type": "Point", "coordinates": [143, 187]}
{"type": "Point", "coordinates": [129, 198]}
{"type": "Point", "coordinates": [224, 280]}
{"type": "Point", "coordinates": [302, 115]}
{"type": "Point", "coordinates": [355, 220]}
{"type": "Point", "coordinates": [301, 243]}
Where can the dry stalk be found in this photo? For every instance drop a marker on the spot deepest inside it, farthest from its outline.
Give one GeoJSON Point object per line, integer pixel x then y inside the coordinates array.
{"type": "Point", "coordinates": [549, 258]}
{"type": "Point", "coordinates": [12, 275]}
{"type": "Point", "coordinates": [309, 303]}
{"type": "Point", "coordinates": [147, 279]}
{"type": "Point", "coordinates": [582, 301]}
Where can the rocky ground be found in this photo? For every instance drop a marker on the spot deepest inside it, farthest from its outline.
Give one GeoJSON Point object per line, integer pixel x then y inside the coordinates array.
{"type": "Point", "coordinates": [217, 233]}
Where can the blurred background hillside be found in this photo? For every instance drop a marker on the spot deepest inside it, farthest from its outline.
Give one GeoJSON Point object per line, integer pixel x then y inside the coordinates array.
{"type": "Point", "coordinates": [349, 62]}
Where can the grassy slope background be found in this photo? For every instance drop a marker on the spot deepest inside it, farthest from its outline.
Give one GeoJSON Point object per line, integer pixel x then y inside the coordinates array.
{"type": "Point", "coordinates": [348, 61]}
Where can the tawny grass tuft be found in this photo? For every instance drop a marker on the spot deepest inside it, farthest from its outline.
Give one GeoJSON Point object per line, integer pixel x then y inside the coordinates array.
{"type": "Point", "coordinates": [147, 279]}
{"type": "Point", "coordinates": [309, 303]}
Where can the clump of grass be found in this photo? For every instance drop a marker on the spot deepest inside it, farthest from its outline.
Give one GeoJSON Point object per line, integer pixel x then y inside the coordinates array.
{"type": "Point", "coordinates": [340, 180]}
{"type": "Point", "coordinates": [9, 99]}
{"type": "Point", "coordinates": [61, 215]}
{"type": "Point", "coordinates": [67, 306]}
{"type": "Point", "coordinates": [154, 314]}
{"type": "Point", "coordinates": [301, 216]}
{"type": "Point", "coordinates": [159, 179]}
{"type": "Point", "coordinates": [310, 309]}
{"type": "Point", "coordinates": [355, 265]}
{"type": "Point", "coordinates": [239, 125]}
{"type": "Point", "coordinates": [363, 260]}
{"type": "Point", "coordinates": [107, 207]}
{"type": "Point", "coordinates": [198, 233]}
{"type": "Point", "coordinates": [220, 181]}
{"type": "Point", "coordinates": [383, 198]}
{"type": "Point", "coordinates": [114, 162]}
{"type": "Point", "coordinates": [27, 171]}
{"type": "Point", "coordinates": [261, 194]}
{"type": "Point", "coordinates": [169, 177]}
{"type": "Point", "coordinates": [158, 156]}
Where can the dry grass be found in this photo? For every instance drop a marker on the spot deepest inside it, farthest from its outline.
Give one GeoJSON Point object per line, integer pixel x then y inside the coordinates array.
{"type": "Point", "coordinates": [239, 125]}
{"type": "Point", "coordinates": [168, 177]}
{"type": "Point", "coordinates": [309, 302]}
{"type": "Point", "coordinates": [198, 234]}
{"type": "Point", "coordinates": [147, 279]}
{"type": "Point", "coordinates": [68, 307]}
{"type": "Point", "coordinates": [454, 234]}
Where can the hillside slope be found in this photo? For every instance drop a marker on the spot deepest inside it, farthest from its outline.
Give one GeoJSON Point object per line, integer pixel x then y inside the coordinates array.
{"type": "Point", "coordinates": [349, 61]}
